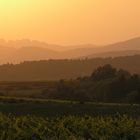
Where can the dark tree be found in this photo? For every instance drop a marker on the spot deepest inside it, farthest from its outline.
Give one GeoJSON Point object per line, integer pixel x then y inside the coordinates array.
{"type": "Point", "coordinates": [105, 72]}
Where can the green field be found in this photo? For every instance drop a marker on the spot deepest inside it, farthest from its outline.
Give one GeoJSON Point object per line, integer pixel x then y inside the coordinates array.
{"type": "Point", "coordinates": [53, 108]}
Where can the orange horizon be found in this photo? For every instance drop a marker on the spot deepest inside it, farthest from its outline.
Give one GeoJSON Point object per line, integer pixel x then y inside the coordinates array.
{"type": "Point", "coordinates": [72, 22]}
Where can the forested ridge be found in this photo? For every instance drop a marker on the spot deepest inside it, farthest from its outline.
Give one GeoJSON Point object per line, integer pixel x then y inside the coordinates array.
{"type": "Point", "coordinates": [46, 70]}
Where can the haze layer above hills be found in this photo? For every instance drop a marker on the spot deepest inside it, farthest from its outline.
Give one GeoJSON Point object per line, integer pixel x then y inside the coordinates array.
{"type": "Point", "coordinates": [27, 50]}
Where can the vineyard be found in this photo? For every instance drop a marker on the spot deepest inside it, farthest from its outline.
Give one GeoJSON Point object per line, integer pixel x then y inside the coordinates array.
{"type": "Point", "coordinates": [69, 128]}
{"type": "Point", "coordinates": [36, 119]}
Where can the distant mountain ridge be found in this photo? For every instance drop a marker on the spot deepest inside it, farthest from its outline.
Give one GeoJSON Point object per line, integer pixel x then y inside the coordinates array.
{"type": "Point", "coordinates": [29, 50]}
{"type": "Point", "coordinates": [114, 54]}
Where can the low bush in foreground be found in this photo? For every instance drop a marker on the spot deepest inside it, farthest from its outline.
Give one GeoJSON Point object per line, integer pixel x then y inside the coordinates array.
{"type": "Point", "coordinates": [69, 128]}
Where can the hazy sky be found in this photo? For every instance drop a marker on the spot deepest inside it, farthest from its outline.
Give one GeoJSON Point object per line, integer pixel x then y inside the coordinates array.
{"type": "Point", "coordinates": [70, 21]}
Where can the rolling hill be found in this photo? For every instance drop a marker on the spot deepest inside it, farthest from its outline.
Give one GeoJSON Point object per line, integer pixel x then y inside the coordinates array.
{"type": "Point", "coordinates": [64, 69]}
{"type": "Point", "coordinates": [114, 54]}
{"type": "Point", "coordinates": [27, 50]}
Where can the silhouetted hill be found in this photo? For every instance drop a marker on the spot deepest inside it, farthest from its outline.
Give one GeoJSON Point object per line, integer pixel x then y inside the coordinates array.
{"type": "Point", "coordinates": [114, 54]}
{"type": "Point", "coordinates": [27, 50]}
{"type": "Point", "coordinates": [85, 50]}
{"type": "Point", "coordinates": [5, 52]}
{"type": "Point", "coordinates": [33, 53]}
{"type": "Point", "coordinates": [124, 48]}
{"type": "Point", "coordinates": [132, 44]}
{"type": "Point", "coordinates": [64, 69]}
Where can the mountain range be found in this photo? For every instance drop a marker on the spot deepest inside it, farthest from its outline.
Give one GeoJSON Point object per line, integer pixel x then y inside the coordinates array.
{"type": "Point", "coordinates": [29, 50]}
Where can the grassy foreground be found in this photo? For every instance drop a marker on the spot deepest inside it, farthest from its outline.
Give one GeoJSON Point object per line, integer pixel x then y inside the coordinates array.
{"type": "Point", "coordinates": [69, 128]}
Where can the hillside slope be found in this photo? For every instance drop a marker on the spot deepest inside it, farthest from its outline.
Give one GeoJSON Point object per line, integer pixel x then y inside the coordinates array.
{"type": "Point", "coordinates": [64, 69]}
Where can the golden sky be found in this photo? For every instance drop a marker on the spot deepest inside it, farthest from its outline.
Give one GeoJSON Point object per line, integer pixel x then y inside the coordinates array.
{"type": "Point", "coordinates": [70, 21]}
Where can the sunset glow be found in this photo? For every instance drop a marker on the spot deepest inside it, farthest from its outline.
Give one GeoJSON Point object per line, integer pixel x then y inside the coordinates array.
{"type": "Point", "coordinates": [70, 22]}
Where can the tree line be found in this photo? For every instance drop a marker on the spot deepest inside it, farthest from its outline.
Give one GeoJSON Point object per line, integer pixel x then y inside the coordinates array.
{"type": "Point", "coordinates": [52, 70]}
{"type": "Point", "coordinates": [105, 84]}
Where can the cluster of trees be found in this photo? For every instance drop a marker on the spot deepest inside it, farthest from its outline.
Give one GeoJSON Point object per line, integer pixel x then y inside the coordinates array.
{"type": "Point", "coordinates": [106, 84]}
